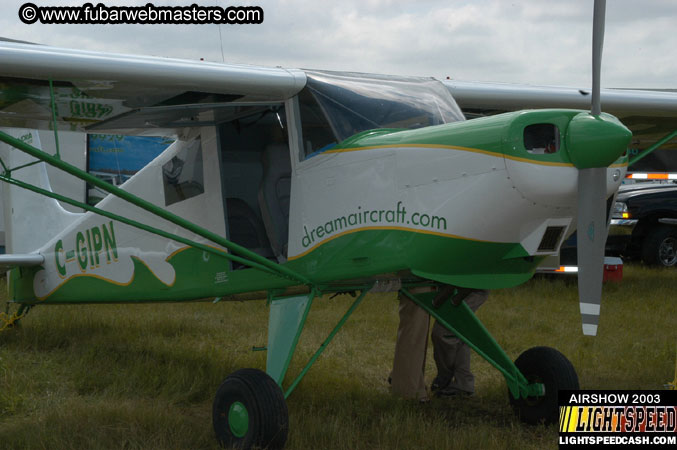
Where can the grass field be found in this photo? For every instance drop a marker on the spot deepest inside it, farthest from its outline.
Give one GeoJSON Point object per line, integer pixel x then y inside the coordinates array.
{"type": "Point", "coordinates": [144, 376]}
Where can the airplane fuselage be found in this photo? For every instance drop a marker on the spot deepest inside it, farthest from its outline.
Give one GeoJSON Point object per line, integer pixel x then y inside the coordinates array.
{"type": "Point", "coordinates": [384, 203]}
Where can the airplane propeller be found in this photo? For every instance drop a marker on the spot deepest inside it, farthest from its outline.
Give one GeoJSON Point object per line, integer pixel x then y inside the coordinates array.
{"type": "Point", "coordinates": [596, 140]}
{"type": "Point", "coordinates": [597, 45]}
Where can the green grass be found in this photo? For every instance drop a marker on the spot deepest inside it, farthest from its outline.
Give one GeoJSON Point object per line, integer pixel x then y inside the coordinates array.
{"type": "Point", "coordinates": [144, 376]}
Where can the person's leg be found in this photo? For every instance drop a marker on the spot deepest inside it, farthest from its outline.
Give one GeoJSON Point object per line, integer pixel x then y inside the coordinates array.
{"type": "Point", "coordinates": [410, 349]}
{"type": "Point", "coordinates": [445, 345]}
{"type": "Point", "coordinates": [464, 380]}
{"type": "Point", "coordinates": [452, 356]}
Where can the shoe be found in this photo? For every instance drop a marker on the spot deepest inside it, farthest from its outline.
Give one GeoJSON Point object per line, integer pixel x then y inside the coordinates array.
{"type": "Point", "coordinates": [450, 391]}
{"type": "Point", "coordinates": [440, 382]}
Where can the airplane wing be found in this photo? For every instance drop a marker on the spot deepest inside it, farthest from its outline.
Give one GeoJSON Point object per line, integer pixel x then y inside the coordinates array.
{"type": "Point", "coordinates": [94, 91]}
{"type": "Point", "coordinates": [131, 94]}
{"type": "Point", "coordinates": [650, 114]}
{"type": "Point", "coordinates": [9, 261]}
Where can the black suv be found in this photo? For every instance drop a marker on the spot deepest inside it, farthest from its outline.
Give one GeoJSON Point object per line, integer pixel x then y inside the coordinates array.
{"type": "Point", "coordinates": [644, 224]}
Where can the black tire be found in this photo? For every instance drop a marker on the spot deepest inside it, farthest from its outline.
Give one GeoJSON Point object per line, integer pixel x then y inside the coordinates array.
{"type": "Point", "coordinates": [551, 368]}
{"type": "Point", "coordinates": [266, 420]}
{"type": "Point", "coordinates": [659, 247]}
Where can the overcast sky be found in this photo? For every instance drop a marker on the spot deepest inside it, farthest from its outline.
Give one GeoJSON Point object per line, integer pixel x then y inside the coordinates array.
{"type": "Point", "coordinates": [544, 42]}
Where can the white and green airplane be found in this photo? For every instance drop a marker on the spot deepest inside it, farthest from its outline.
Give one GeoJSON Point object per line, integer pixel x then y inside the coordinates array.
{"type": "Point", "coordinates": [290, 184]}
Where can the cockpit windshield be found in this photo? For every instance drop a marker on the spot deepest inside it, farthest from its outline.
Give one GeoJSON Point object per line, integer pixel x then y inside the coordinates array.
{"type": "Point", "coordinates": [349, 103]}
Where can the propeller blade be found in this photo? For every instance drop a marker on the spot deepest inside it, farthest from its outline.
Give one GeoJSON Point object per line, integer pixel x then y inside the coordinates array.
{"type": "Point", "coordinates": [591, 163]}
{"type": "Point", "coordinates": [592, 234]}
{"type": "Point", "coordinates": [597, 44]}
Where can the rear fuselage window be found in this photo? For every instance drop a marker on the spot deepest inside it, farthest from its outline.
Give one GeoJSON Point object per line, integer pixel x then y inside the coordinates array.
{"type": "Point", "coordinates": [183, 176]}
{"type": "Point", "coordinates": [541, 138]}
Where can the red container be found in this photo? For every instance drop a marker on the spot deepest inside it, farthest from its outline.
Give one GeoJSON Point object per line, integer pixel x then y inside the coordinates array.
{"type": "Point", "coordinates": [613, 269]}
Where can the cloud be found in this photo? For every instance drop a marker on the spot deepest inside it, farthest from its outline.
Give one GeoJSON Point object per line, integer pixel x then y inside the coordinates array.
{"type": "Point", "coordinates": [540, 42]}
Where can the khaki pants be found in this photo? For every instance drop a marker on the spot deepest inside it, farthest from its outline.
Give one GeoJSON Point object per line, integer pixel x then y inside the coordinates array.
{"type": "Point", "coordinates": [410, 349]}
{"type": "Point", "coordinates": [452, 356]}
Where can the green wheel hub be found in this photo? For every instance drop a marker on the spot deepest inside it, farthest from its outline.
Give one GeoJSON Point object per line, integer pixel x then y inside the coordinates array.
{"type": "Point", "coordinates": [238, 419]}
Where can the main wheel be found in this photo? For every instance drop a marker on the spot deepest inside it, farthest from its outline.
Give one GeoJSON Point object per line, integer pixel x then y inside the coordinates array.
{"type": "Point", "coordinates": [549, 367]}
{"type": "Point", "coordinates": [660, 246]}
{"type": "Point", "coordinates": [250, 411]}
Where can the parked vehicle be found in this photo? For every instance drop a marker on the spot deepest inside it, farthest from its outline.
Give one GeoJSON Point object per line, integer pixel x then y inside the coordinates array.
{"type": "Point", "coordinates": [644, 224]}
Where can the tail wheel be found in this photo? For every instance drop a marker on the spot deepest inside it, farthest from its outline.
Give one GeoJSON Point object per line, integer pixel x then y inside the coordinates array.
{"type": "Point", "coordinates": [549, 367]}
{"type": "Point", "coordinates": [250, 411]}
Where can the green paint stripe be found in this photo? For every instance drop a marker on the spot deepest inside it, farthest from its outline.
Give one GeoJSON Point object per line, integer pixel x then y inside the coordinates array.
{"type": "Point", "coordinates": [372, 252]}
{"type": "Point", "coordinates": [407, 229]}
{"type": "Point", "coordinates": [454, 147]}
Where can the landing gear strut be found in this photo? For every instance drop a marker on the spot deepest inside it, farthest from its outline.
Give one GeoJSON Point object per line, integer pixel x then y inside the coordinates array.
{"type": "Point", "coordinates": [249, 407]}
{"type": "Point", "coordinates": [533, 379]}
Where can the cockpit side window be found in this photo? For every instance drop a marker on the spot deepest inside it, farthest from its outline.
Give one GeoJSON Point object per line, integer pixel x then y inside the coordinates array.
{"type": "Point", "coordinates": [338, 105]}
{"type": "Point", "coordinates": [317, 133]}
{"type": "Point", "coordinates": [541, 138]}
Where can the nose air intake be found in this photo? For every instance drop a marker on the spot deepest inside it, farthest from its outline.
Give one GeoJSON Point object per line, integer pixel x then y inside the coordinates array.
{"type": "Point", "coordinates": [551, 239]}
